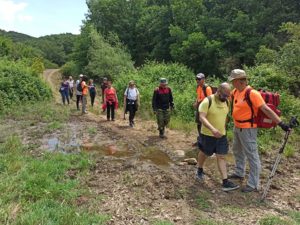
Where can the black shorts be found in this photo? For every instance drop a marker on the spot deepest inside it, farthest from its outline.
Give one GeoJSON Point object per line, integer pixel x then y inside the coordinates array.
{"type": "Point", "coordinates": [211, 145]}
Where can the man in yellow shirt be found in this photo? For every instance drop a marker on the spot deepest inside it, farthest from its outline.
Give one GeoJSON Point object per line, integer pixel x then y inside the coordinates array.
{"type": "Point", "coordinates": [213, 113]}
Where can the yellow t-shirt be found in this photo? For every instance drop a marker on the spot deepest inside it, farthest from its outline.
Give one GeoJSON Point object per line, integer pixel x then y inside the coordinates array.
{"type": "Point", "coordinates": [216, 115]}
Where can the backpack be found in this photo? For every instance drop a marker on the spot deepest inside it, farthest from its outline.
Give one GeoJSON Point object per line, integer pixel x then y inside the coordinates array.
{"type": "Point", "coordinates": [271, 99]}
{"type": "Point", "coordinates": [79, 87]}
{"type": "Point", "coordinates": [214, 89]}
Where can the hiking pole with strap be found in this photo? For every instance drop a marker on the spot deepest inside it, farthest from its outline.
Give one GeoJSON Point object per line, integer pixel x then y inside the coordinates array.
{"type": "Point", "coordinates": [293, 123]}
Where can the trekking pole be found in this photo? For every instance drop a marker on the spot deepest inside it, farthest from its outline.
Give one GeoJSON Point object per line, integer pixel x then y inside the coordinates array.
{"type": "Point", "coordinates": [293, 123]}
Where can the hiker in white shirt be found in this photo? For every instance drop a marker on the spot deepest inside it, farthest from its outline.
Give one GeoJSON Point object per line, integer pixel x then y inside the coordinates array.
{"type": "Point", "coordinates": [131, 101]}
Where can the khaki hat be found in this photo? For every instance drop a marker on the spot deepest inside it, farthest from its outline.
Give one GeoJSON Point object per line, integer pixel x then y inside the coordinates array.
{"type": "Point", "coordinates": [237, 74]}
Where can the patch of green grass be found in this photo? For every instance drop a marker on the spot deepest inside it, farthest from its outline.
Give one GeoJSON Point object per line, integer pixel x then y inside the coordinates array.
{"type": "Point", "coordinates": [39, 112]}
{"type": "Point", "coordinates": [295, 215]}
{"type": "Point", "coordinates": [178, 124]}
{"type": "Point", "coordinates": [211, 222]}
{"type": "Point", "coordinates": [41, 188]}
{"type": "Point", "coordinates": [289, 151]}
{"type": "Point", "coordinates": [232, 210]}
{"type": "Point", "coordinates": [163, 222]}
{"type": "Point", "coordinates": [274, 220]}
{"type": "Point", "coordinates": [92, 130]}
{"type": "Point", "coordinates": [54, 126]}
{"type": "Point", "coordinates": [202, 201]}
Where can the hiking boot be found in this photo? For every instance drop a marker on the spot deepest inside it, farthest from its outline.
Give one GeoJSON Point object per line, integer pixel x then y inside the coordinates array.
{"type": "Point", "coordinates": [229, 186]}
{"type": "Point", "coordinates": [248, 189]}
{"type": "Point", "coordinates": [162, 133]}
{"type": "Point", "coordinates": [200, 176]}
{"type": "Point", "coordinates": [236, 177]}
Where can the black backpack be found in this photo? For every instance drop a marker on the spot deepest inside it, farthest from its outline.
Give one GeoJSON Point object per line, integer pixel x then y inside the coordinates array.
{"type": "Point", "coordinates": [79, 87]}
{"type": "Point", "coordinates": [214, 89]}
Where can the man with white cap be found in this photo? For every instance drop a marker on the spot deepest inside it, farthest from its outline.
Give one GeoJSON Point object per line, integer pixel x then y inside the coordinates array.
{"type": "Point", "coordinates": [78, 91]}
{"type": "Point", "coordinates": [245, 129]}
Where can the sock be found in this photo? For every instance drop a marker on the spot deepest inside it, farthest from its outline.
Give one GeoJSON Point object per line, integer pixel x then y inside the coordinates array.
{"type": "Point", "coordinates": [200, 170]}
{"type": "Point", "coordinates": [225, 181]}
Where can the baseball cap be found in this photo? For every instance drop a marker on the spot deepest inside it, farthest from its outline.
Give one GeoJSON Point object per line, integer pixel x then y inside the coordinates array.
{"type": "Point", "coordinates": [81, 75]}
{"type": "Point", "coordinates": [163, 81]}
{"type": "Point", "coordinates": [200, 76]}
{"type": "Point", "coordinates": [237, 74]}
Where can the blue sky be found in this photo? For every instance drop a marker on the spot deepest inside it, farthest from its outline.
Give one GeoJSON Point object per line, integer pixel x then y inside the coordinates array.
{"type": "Point", "coordinates": [42, 17]}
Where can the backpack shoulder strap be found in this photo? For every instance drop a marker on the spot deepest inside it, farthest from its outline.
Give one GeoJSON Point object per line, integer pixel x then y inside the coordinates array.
{"type": "Point", "coordinates": [248, 100]}
{"type": "Point", "coordinates": [232, 101]}
{"type": "Point", "coordinates": [204, 89]}
{"type": "Point", "coordinates": [209, 101]}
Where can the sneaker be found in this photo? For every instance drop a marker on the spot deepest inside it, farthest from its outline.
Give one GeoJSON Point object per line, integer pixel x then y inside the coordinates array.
{"type": "Point", "coordinates": [229, 186]}
{"type": "Point", "coordinates": [200, 176]}
{"type": "Point", "coordinates": [234, 176]}
{"type": "Point", "coordinates": [248, 189]}
{"type": "Point", "coordinates": [131, 124]}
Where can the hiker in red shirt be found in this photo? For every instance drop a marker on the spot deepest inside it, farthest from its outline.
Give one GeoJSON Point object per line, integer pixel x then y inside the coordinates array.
{"type": "Point", "coordinates": [111, 101]}
{"type": "Point", "coordinates": [245, 129]}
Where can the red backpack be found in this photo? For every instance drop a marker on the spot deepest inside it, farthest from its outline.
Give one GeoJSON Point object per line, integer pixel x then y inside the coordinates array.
{"type": "Point", "coordinates": [272, 100]}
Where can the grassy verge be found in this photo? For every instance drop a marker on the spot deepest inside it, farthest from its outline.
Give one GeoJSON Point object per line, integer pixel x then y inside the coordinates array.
{"type": "Point", "coordinates": [40, 187]}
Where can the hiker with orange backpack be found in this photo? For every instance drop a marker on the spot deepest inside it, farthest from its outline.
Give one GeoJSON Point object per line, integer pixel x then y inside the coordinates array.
{"type": "Point", "coordinates": [247, 104]}
{"type": "Point", "coordinates": [213, 115]}
{"type": "Point", "coordinates": [202, 92]}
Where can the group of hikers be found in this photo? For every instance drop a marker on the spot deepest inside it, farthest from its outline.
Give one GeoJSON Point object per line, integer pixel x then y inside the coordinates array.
{"type": "Point", "coordinates": [212, 107]}
{"type": "Point", "coordinates": [110, 102]}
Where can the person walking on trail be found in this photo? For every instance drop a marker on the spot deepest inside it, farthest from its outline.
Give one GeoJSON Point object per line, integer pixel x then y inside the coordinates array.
{"type": "Point", "coordinates": [78, 91]}
{"type": "Point", "coordinates": [131, 101]}
{"type": "Point", "coordinates": [202, 92]}
{"type": "Point", "coordinates": [103, 87]}
{"type": "Point", "coordinates": [84, 88]}
{"type": "Point", "coordinates": [245, 129]}
{"type": "Point", "coordinates": [213, 112]}
{"type": "Point", "coordinates": [92, 91]}
{"type": "Point", "coordinates": [111, 101]}
{"type": "Point", "coordinates": [64, 91]}
{"type": "Point", "coordinates": [162, 102]}
{"type": "Point", "coordinates": [71, 86]}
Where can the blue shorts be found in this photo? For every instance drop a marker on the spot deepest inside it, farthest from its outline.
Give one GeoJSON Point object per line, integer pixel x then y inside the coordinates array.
{"type": "Point", "coordinates": [211, 145]}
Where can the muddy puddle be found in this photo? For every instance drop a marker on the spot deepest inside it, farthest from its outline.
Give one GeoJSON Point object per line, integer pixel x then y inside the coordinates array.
{"type": "Point", "coordinates": [121, 150]}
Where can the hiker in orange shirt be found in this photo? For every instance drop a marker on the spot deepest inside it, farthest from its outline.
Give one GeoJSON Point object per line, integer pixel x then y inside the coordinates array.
{"type": "Point", "coordinates": [84, 87]}
{"type": "Point", "coordinates": [202, 92]}
{"type": "Point", "coordinates": [245, 129]}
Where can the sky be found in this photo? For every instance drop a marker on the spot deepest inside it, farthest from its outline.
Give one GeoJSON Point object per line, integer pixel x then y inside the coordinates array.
{"type": "Point", "coordinates": [42, 17]}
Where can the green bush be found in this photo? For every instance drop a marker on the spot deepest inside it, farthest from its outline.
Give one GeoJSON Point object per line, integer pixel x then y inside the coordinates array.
{"type": "Point", "coordinates": [20, 84]}
{"type": "Point", "coordinates": [69, 69]}
{"type": "Point", "coordinates": [181, 81]}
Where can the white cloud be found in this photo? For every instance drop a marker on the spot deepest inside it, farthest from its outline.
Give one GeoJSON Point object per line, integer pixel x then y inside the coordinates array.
{"type": "Point", "coordinates": [25, 18]}
{"type": "Point", "coordinates": [12, 12]}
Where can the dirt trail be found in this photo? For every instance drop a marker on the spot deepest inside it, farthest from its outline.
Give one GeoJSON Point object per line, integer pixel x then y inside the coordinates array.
{"type": "Point", "coordinates": [138, 180]}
